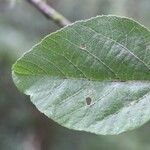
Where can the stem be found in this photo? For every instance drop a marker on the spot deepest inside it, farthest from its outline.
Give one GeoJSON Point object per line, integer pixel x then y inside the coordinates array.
{"type": "Point", "coordinates": [49, 12]}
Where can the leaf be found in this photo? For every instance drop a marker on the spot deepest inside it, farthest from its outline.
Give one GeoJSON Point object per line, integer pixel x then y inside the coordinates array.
{"type": "Point", "coordinates": [93, 75]}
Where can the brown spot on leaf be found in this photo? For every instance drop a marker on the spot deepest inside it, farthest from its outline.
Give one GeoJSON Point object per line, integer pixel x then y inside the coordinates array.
{"type": "Point", "coordinates": [83, 46]}
{"type": "Point", "coordinates": [88, 100]}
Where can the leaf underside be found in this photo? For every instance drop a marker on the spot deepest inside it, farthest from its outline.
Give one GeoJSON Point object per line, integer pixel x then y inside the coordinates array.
{"type": "Point", "coordinates": [93, 75]}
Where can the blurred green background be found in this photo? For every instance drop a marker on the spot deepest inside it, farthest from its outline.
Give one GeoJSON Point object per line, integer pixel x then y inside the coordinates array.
{"type": "Point", "coordinates": [22, 126]}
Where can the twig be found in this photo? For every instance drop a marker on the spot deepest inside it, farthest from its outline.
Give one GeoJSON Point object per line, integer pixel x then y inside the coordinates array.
{"type": "Point", "coordinates": [49, 12]}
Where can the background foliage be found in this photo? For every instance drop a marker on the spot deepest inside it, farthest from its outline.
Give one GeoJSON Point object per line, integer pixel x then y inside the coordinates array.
{"type": "Point", "coordinates": [22, 127]}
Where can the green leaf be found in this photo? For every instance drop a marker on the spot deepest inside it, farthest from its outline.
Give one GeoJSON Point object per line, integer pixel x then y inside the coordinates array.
{"type": "Point", "coordinates": [93, 75]}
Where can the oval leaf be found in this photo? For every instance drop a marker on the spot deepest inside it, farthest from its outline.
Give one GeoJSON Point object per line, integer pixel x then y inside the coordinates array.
{"type": "Point", "coordinates": [93, 75]}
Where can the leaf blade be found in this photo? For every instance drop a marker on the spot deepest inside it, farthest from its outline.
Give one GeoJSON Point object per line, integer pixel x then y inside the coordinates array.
{"type": "Point", "coordinates": [91, 63]}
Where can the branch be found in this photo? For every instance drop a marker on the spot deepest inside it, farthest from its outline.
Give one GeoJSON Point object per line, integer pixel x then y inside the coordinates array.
{"type": "Point", "coordinates": [49, 12]}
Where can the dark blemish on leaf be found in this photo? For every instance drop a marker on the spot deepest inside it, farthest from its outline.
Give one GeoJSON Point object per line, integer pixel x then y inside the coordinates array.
{"type": "Point", "coordinates": [88, 100]}
{"type": "Point", "coordinates": [83, 46]}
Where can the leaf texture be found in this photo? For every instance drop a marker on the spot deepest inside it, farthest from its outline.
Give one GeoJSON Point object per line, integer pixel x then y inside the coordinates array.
{"type": "Point", "coordinates": [92, 75]}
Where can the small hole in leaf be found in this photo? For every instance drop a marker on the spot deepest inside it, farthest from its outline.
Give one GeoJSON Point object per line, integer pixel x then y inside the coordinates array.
{"type": "Point", "coordinates": [88, 100]}
{"type": "Point", "coordinates": [83, 46]}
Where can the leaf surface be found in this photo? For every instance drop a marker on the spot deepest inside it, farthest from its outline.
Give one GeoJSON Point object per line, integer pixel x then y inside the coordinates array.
{"type": "Point", "coordinates": [93, 75]}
